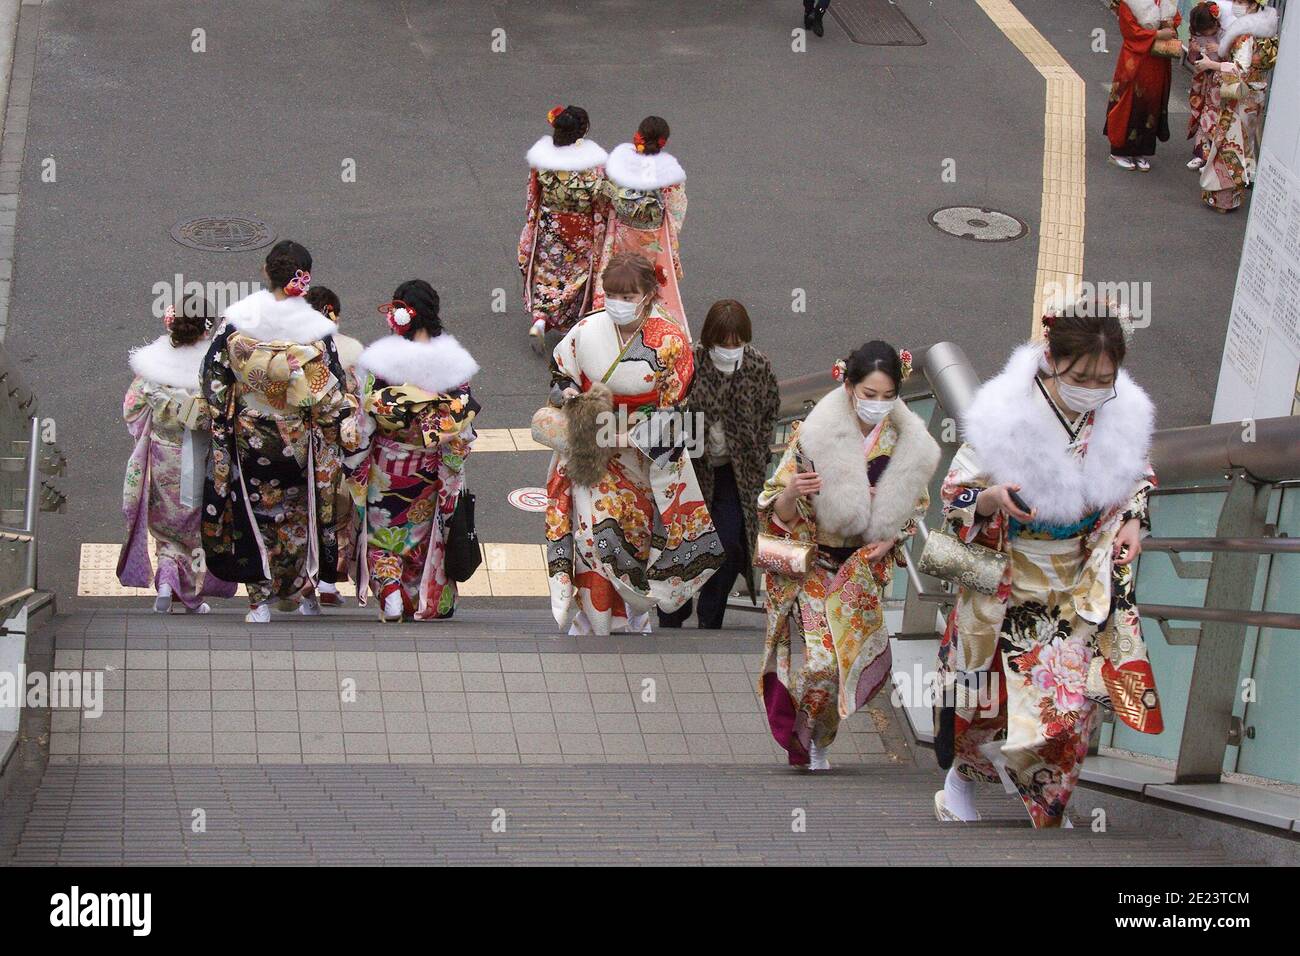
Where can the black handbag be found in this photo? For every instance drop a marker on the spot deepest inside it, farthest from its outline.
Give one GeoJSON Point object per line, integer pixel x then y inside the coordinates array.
{"type": "Point", "coordinates": [464, 554]}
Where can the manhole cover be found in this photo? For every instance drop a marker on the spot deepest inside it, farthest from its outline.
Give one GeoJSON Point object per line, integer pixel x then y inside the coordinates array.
{"type": "Point", "coordinates": [223, 233]}
{"type": "Point", "coordinates": [974, 222]}
{"type": "Point", "coordinates": [876, 23]}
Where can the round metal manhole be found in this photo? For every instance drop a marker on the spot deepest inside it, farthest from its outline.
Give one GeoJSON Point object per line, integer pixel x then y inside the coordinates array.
{"type": "Point", "coordinates": [974, 222]}
{"type": "Point", "coordinates": [223, 233]}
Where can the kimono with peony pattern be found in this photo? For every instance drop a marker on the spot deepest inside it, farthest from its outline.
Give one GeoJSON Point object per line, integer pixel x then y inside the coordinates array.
{"type": "Point", "coordinates": [838, 611]}
{"type": "Point", "coordinates": [1025, 669]}
{"type": "Point", "coordinates": [642, 536]}
{"type": "Point", "coordinates": [405, 477]}
{"type": "Point", "coordinates": [647, 222]}
{"type": "Point", "coordinates": [163, 421]}
{"type": "Point", "coordinates": [279, 411]}
{"type": "Point", "coordinates": [1203, 98]}
{"type": "Point", "coordinates": [561, 242]}
{"type": "Point", "coordinates": [1232, 153]}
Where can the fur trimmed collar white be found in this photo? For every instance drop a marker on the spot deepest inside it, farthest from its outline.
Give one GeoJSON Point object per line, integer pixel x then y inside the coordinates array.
{"type": "Point", "coordinates": [1150, 12]}
{"type": "Point", "coordinates": [263, 317]}
{"type": "Point", "coordinates": [584, 154]}
{"type": "Point", "coordinates": [349, 350]}
{"type": "Point", "coordinates": [439, 365]}
{"type": "Point", "coordinates": [1017, 439]}
{"type": "Point", "coordinates": [831, 439]}
{"type": "Point", "coordinates": [162, 363]}
{"type": "Point", "coordinates": [632, 170]}
{"type": "Point", "coordinates": [1262, 23]}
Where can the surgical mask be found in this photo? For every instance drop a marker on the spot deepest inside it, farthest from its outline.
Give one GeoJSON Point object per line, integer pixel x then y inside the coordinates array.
{"type": "Point", "coordinates": [1082, 399]}
{"type": "Point", "coordinates": [727, 360]}
{"type": "Point", "coordinates": [873, 412]}
{"type": "Point", "coordinates": [623, 313]}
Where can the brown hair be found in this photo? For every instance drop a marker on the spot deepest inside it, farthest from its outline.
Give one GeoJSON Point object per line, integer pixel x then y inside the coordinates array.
{"type": "Point", "coordinates": [726, 318]}
{"type": "Point", "coordinates": [570, 126]}
{"type": "Point", "coordinates": [654, 134]}
{"type": "Point", "coordinates": [192, 319]}
{"type": "Point", "coordinates": [629, 273]}
{"type": "Point", "coordinates": [1203, 20]}
{"type": "Point", "coordinates": [1086, 331]}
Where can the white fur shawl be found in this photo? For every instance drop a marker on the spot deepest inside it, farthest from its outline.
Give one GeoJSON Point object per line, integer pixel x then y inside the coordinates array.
{"type": "Point", "coordinates": [830, 437]}
{"type": "Point", "coordinates": [1262, 23]}
{"type": "Point", "coordinates": [1149, 13]}
{"type": "Point", "coordinates": [264, 317]}
{"type": "Point", "coordinates": [1018, 440]}
{"type": "Point", "coordinates": [349, 350]}
{"type": "Point", "coordinates": [162, 363]}
{"type": "Point", "coordinates": [584, 154]}
{"type": "Point", "coordinates": [439, 365]}
{"type": "Point", "coordinates": [632, 170]}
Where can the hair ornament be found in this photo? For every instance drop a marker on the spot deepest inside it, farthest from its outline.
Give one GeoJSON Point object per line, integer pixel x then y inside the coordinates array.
{"type": "Point", "coordinates": [639, 142]}
{"type": "Point", "coordinates": [299, 284]}
{"type": "Point", "coordinates": [169, 317]}
{"type": "Point", "coordinates": [839, 370]}
{"type": "Point", "coordinates": [398, 314]}
{"type": "Point", "coordinates": [1214, 10]}
{"type": "Point", "coordinates": [905, 359]}
{"type": "Point", "coordinates": [554, 114]}
{"type": "Point", "coordinates": [1125, 323]}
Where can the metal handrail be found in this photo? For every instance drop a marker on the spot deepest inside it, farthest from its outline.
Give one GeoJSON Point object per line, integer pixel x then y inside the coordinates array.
{"type": "Point", "coordinates": [1175, 612]}
{"type": "Point", "coordinates": [1213, 545]}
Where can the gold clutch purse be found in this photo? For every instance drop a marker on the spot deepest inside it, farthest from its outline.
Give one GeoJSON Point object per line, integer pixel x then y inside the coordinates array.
{"type": "Point", "coordinates": [784, 556]}
{"type": "Point", "coordinates": [970, 566]}
{"type": "Point", "coordinates": [550, 427]}
{"type": "Point", "coordinates": [1170, 48]}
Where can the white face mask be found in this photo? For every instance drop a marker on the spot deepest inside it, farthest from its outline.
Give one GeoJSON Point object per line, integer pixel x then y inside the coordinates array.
{"type": "Point", "coordinates": [1081, 399]}
{"type": "Point", "coordinates": [728, 360]}
{"type": "Point", "coordinates": [623, 313]}
{"type": "Point", "coordinates": [873, 412]}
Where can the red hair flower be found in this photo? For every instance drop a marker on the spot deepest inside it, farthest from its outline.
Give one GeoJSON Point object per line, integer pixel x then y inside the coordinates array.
{"type": "Point", "coordinates": [639, 142]}
{"type": "Point", "coordinates": [839, 370]}
{"type": "Point", "coordinates": [554, 114]}
{"type": "Point", "coordinates": [299, 284]}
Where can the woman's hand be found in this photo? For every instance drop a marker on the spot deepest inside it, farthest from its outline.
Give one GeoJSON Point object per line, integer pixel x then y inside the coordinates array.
{"type": "Point", "coordinates": [878, 550]}
{"type": "Point", "coordinates": [803, 484]}
{"type": "Point", "coordinates": [570, 392]}
{"type": "Point", "coordinates": [1166, 33]}
{"type": "Point", "coordinates": [997, 498]}
{"type": "Point", "coordinates": [1204, 64]}
{"type": "Point", "coordinates": [1128, 542]}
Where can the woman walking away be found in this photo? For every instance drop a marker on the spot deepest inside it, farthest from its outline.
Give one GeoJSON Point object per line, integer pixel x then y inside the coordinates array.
{"type": "Point", "coordinates": [1053, 474]}
{"type": "Point", "coordinates": [732, 410]}
{"type": "Point", "coordinates": [846, 494]}
{"type": "Point", "coordinates": [565, 225]}
{"type": "Point", "coordinates": [163, 490]}
{"type": "Point", "coordinates": [627, 529]}
{"type": "Point", "coordinates": [1138, 113]}
{"type": "Point", "coordinates": [647, 192]}
{"type": "Point", "coordinates": [416, 426]}
{"type": "Point", "coordinates": [275, 391]}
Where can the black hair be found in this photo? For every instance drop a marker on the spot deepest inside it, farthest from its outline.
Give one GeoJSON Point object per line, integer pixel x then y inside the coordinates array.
{"type": "Point", "coordinates": [324, 301]}
{"type": "Point", "coordinates": [285, 258]}
{"type": "Point", "coordinates": [875, 356]}
{"type": "Point", "coordinates": [423, 301]}
{"type": "Point", "coordinates": [570, 126]}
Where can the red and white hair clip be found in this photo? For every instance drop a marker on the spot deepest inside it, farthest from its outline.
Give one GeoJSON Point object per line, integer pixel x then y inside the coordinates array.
{"type": "Point", "coordinates": [169, 317]}
{"type": "Point", "coordinates": [299, 284]}
{"type": "Point", "coordinates": [398, 315]}
{"type": "Point", "coordinates": [839, 370]}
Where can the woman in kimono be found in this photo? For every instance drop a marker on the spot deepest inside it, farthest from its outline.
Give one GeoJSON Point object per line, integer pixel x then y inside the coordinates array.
{"type": "Point", "coordinates": [164, 477]}
{"type": "Point", "coordinates": [852, 483]}
{"type": "Point", "coordinates": [416, 428]}
{"type": "Point", "coordinates": [733, 405]}
{"type": "Point", "coordinates": [1066, 430]}
{"type": "Point", "coordinates": [1247, 53]}
{"type": "Point", "coordinates": [1138, 112]}
{"type": "Point", "coordinates": [646, 188]}
{"type": "Point", "coordinates": [1203, 98]}
{"type": "Point", "coordinates": [275, 392]}
{"type": "Point", "coordinates": [639, 534]}
{"type": "Point", "coordinates": [564, 229]}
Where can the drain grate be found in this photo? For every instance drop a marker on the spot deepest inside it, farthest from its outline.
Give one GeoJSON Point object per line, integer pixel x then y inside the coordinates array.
{"type": "Point", "coordinates": [977, 223]}
{"type": "Point", "coordinates": [876, 23]}
{"type": "Point", "coordinates": [223, 233]}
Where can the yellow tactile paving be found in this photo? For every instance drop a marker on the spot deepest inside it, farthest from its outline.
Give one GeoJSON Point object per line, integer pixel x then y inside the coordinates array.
{"type": "Point", "coordinates": [1060, 242]}
{"type": "Point", "coordinates": [508, 570]}
{"type": "Point", "coordinates": [506, 439]}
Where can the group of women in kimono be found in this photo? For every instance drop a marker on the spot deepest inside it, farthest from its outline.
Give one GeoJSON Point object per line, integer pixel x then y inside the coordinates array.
{"type": "Point", "coordinates": [281, 455]}
{"type": "Point", "coordinates": [1232, 48]}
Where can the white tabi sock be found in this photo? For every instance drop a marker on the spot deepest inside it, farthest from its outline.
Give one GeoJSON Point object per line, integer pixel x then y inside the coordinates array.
{"type": "Point", "coordinates": [959, 795]}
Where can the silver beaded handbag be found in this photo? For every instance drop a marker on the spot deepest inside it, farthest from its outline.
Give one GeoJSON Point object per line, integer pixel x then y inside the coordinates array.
{"type": "Point", "coordinates": [971, 566]}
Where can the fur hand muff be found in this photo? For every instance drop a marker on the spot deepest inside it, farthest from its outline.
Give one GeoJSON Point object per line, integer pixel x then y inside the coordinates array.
{"type": "Point", "coordinates": [587, 459]}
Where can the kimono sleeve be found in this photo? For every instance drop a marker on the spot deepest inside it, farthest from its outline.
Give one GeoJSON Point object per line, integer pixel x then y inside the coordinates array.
{"type": "Point", "coordinates": [960, 492]}
{"type": "Point", "coordinates": [674, 380]}
{"type": "Point", "coordinates": [674, 198]}
{"type": "Point", "coordinates": [565, 370]}
{"type": "Point", "coordinates": [135, 404]}
{"type": "Point", "coordinates": [216, 389]}
{"type": "Point", "coordinates": [804, 524]}
{"type": "Point", "coordinates": [529, 234]}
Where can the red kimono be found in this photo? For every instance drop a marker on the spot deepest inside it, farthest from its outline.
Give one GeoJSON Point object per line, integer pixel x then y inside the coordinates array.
{"type": "Point", "coordinates": [1138, 114]}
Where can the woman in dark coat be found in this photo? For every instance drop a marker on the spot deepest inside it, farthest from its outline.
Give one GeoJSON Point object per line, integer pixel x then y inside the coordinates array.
{"type": "Point", "coordinates": [733, 403]}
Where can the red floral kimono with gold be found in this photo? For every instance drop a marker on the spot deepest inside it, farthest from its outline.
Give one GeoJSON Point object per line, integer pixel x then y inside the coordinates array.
{"type": "Point", "coordinates": [1138, 113]}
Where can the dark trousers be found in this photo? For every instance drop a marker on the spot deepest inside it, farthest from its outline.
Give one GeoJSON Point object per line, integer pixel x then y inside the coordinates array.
{"type": "Point", "coordinates": [729, 520]}
{"type": "Point", "coordinates": [815, 6]}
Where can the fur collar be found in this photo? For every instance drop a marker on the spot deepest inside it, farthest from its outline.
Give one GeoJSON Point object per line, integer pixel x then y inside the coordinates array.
{"type": "Point", "coordinates": [439, 365]}
{"type": "Point", "coordinates": [1149, 13]}
{"type": "Point", "coordinates": [349, 350]}
{"type": "Point", "coordinates": [162, 363]}
{"type": "Point", "coordinates": [1262, 23]}
{"type": "Point", "coordinates": [632, 170]}
{"type": "Point", "coordinates": [263, 317]}
{"type": "Point", "coordinates": [584, 154]}
{"type": "Point", "coordinates": [830, 437]}
{"type": "Point", "coordinates": [1017, 439]}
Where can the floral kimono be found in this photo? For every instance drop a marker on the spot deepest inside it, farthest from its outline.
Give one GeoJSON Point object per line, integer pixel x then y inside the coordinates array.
{"type": "Point", "coordinates": [416, 427]}
{"type": "Point", "coordinates": [1203, 99]}
{"type": "Point", "coordinates": [1062, 633]}
{"type": "Point", "coordinates": [642, 536]}
{"type": "Point", "coordinates": [1232, 155]}
{"type": "Point", "coordinates": [1138, 112]}
{"type": "Point", "coordinates": [647, 196]}
{"type": "Point", "coordinates": [564, 231]}
{"type": "Point", "coordinates": [275, 390]}
{"type": "Point", "coordinates": [873, 489]}
{"type": "Point", "coordinates": [164, 477]}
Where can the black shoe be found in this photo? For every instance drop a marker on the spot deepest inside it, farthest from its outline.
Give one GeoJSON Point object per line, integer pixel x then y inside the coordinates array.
{"type": "Point", "coordinates": [817, 24]}
{"type": "Point", "coordinates": [807, 21]}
